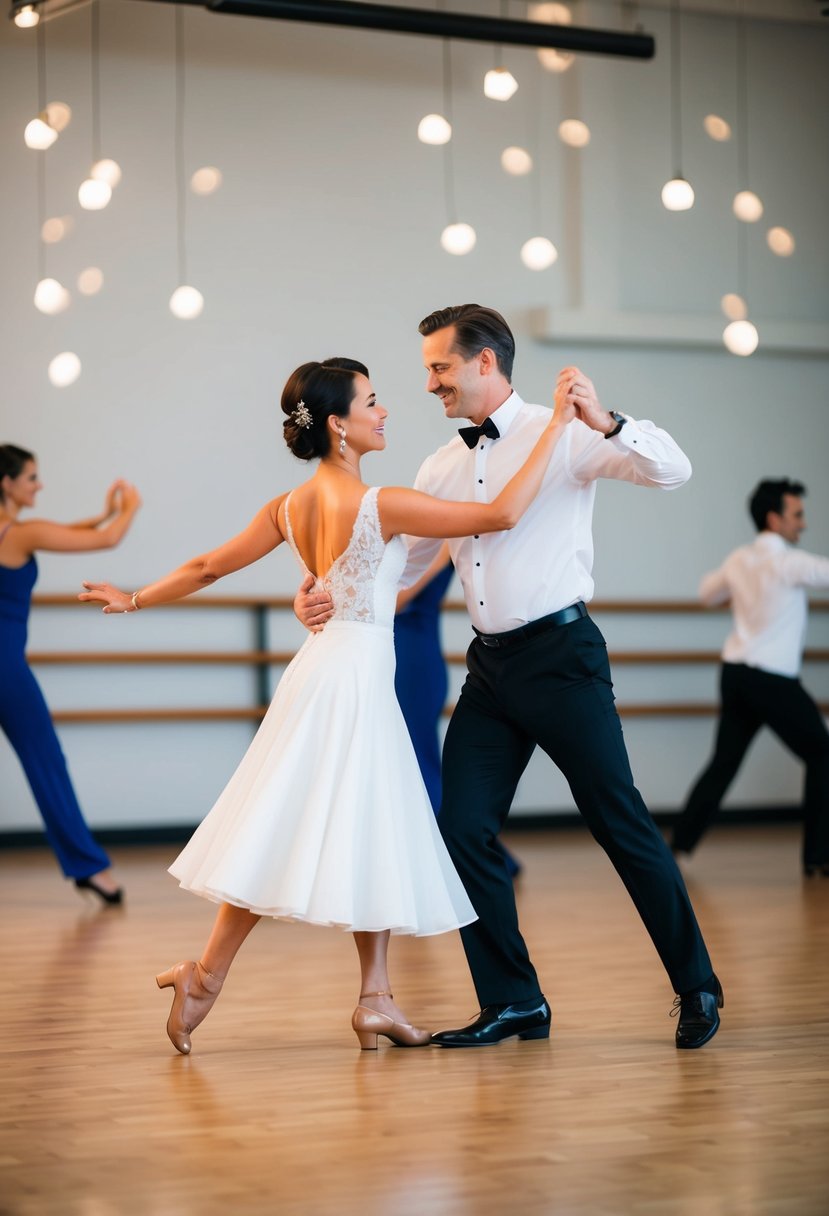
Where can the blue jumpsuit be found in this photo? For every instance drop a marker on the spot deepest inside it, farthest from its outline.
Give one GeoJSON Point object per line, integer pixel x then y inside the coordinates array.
{"type": "Point", "coordinates": [25, 718]}
{"type": "Point", "coordinates": [420, 679]}
{"type": "Point", "coordinates": [421, 685]}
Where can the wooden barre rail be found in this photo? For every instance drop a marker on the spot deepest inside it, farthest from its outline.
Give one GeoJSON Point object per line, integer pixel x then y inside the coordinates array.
{"type": "Point", "coordinates": [254, 713]}
{"type": "Point", "coordinates": [267, 658]}
{"type": "Point", "coordinates": [261, 658]}
{"type": "Point", "coordinates": [47, 600]}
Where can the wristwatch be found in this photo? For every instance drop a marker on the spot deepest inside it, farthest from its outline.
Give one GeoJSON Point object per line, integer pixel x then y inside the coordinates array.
{"type": "Point", "coordinates": [620, 421]}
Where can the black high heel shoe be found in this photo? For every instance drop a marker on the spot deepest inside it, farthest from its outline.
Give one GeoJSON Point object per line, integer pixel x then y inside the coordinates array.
{"type": "Point", "coordinates": [112, 898]}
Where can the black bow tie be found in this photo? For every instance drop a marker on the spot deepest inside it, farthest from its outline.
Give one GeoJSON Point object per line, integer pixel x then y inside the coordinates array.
{"type": "Point", "coordinates": [471, 434]}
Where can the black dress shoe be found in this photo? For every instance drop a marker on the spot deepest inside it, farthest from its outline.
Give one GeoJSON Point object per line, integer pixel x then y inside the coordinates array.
{"type": "Point", "coordinates": [113, 898]}
{"type": "Point", "coordinates": [498, 1022]}
{"type": "Point", "coordinates": [699, 1020]}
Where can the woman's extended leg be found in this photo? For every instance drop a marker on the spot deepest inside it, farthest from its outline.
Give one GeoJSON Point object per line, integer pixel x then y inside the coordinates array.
{"type": "Point", "coordinates": [198, 984]}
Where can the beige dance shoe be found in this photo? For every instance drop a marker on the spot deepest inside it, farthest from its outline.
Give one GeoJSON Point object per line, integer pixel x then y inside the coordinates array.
{"type": "Point", "coordinates": [196, 989]}
{"type": "Point", "coordinates": [368, 1024]}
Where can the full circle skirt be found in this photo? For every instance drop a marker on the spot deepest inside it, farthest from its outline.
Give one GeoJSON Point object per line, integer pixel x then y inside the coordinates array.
{"type": "Point", "coordinates": [327, 819]}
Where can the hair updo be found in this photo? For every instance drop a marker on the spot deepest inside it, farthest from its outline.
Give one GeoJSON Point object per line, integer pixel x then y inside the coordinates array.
{"type": "Point", "coordinates": [12, 462]}
{"type": "Point", "coordinates": [324, 389]}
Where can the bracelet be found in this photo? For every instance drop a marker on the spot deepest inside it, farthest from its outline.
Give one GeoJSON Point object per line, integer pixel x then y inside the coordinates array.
{"type": "Point", "coordinates": [136, 607]}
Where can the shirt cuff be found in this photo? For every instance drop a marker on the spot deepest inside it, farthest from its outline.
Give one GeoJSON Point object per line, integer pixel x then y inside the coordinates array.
{"type": "Point", "coordinates": [621, 434]}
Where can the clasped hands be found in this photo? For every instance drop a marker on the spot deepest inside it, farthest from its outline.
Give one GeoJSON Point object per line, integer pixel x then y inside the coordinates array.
{"type": "Point", "coordinates": [575, 391]}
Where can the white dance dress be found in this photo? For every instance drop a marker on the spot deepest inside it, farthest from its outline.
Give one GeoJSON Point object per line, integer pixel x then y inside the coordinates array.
{"type": "Point", "coordinates": [327, 819]}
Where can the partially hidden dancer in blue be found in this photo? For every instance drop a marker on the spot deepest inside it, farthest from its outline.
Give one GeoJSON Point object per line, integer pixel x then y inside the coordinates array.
{"type": "Point", "coordinates": [420, 677]}
{"type": "Point", "coordinates": [326, 820]}
{"type": "Point", "coordinates": [24, 714]}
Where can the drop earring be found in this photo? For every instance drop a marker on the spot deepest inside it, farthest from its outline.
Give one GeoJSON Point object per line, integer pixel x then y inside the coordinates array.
{"type": "Point", "coordinates": [342, 443]}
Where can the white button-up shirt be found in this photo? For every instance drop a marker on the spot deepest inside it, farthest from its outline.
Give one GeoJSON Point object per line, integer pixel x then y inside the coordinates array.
{"type": "Point", "coordinates": [766, 582]}
{"type": "Point", "coordinates": [545, 562]}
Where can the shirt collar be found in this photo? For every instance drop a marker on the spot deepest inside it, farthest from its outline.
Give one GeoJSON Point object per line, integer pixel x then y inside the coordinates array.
{"type": "Point", "coordinates": [506, 414]}
{"type": "Point", "coordinates": [772, 541]}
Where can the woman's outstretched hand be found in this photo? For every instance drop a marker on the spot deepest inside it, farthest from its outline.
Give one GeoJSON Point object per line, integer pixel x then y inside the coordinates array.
{"type": "Point", "coordinates": [112, 599]}
{"type": "Point", "coordinates": [112, 504]}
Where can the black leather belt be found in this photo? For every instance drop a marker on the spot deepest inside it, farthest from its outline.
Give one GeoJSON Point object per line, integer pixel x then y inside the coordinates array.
{"type": "Point", "coordinates": [563, 617]}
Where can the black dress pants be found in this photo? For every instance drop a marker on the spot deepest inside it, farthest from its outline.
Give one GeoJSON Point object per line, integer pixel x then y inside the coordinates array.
{"type": "Point", "coordinates": [553, 690]}
{"type": "Point", "coordinates": [752, 698]}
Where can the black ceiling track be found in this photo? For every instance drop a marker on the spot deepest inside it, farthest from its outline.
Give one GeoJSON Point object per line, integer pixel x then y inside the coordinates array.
{"type": "Point", "coordinates": [439, 24]}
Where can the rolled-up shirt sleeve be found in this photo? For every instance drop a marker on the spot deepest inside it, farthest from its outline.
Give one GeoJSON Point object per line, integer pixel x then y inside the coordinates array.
{"type": "Point", "coordinates": [714, 588]}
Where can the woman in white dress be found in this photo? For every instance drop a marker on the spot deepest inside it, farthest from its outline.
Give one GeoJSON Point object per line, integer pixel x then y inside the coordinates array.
{"type": "Point", "coordinates": [327, 819]}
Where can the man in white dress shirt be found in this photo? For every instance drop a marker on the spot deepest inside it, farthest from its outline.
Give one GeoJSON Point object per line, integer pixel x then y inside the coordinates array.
{"type": "Point", "coordinates": [538, 671]}
{"type": "Point", "coordinates": [767, 584]}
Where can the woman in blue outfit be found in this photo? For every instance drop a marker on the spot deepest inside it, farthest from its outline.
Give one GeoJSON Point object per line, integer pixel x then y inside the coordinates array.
{"type": "Point", "coordinates": [420, 679]}
{"type": "Point", "coordinates": [24, 715]}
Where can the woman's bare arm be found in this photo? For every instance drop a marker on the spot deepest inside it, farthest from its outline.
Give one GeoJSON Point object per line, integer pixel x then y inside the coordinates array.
{"type": "Point", "coordinates": [418, 514]}
{"type": "Point", "coordinates": [46, 535]}
{"type": "Point", "coordinates": [261, 536]}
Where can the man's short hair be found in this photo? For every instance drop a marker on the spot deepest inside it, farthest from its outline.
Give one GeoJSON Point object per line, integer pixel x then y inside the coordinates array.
{"type": "Point", "coordinates": [768, 496]}
{"type": "Point", "coordinates": [475, 328]}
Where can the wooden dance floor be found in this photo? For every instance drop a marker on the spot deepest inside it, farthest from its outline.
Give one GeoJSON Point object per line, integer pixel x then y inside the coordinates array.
{"type": "Point", "coordinates": [278, 1111]}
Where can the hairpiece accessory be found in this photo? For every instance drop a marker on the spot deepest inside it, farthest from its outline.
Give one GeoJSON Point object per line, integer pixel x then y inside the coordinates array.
{"type": "Point", "coordinates": [302, 415]}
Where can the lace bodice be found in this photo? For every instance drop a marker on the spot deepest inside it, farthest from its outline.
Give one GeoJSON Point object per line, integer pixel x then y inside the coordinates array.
{"type": "Point", "coordinates": [363, 580]}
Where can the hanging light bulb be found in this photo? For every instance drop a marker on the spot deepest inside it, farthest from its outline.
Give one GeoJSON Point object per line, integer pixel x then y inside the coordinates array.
{"type": "Point", "coordinates": [717, 128]}
{"type": "Point", "coordinates": [552, 14]}
{"type": "Point", "coordinates": [538, 253]}
{"type": "Point", "coordinates": [186, 302]}
{"type": "Point", "coordinates": [90, 281]}
{"type": "Point", "coordinates": [780, 241]}
{"type": "Point", "coordinates": [55, 229]}
{"type": "Point", "coordinates": [458, 238]}
{"type": "Point", "coordinates": [574, 133]}
{"type": "Point", "coordinates": [94, 195]}
{"type": "Point", "coordinates": [39, 134]}
{"type": "Point", "coordinates": [500, 84]}
{"type": "Point", "coordinates": [95, 192]}
{"type": "Point", "coordinates": [51, 297]}
{"type": "Point", "coordinates": [677, 195]}
{"type": "Point", "coordinates": [516, 161]}
{"type": "Point", "coordinates": [434, 129]}
{"type": "Point", "coordinates": [106, 170]}
{"type": "Point", "coordinates": [747, 206]}
{"type": "Point", "coordinates": [741, 338]}
{"type": "Point", "coordinates": [555, 61]}
{"type": "Point", "coordinates": [206, 180]}
{"type": "Point", "coordinates": [58, 115]}
{"type": "Point", "coordinates": [734, 306]}
{"type": "Point", "coordinates": [26, 17]}
{"type": "Point", "coordinates": [64, 369]}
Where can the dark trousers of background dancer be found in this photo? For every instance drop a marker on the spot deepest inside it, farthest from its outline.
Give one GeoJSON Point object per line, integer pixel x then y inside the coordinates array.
{"type": "Point", "coordinates": [752, 699]}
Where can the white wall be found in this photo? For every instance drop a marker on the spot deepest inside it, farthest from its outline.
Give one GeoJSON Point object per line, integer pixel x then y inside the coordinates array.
{"type": "Point", "coordinates": [323, 240]}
